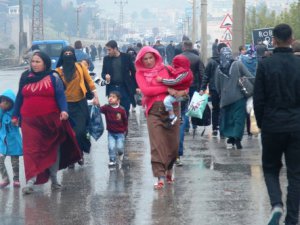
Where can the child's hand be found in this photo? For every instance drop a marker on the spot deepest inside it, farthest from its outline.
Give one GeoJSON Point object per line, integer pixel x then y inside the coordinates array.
{"type": "Point", "coordinates": [172, 91]}
{"type": "Point", "coordinates": [15, 121]}
{"type": "Point", "coordinates": [159, 79]}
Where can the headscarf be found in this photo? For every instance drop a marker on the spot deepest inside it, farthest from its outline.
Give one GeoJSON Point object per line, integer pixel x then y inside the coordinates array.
{"type": "Point", "coordinates": [139, 60]}
{"type": "Point", "coordinates": [67, 62]}
{"type": "Point", "coordinates": [226, 59]}
{"type": "Point", "coordinates": [30, 76]}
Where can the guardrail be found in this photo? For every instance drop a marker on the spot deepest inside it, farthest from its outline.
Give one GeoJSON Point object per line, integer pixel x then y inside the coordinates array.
{"type": "Point", "coordinates": [7, 62]}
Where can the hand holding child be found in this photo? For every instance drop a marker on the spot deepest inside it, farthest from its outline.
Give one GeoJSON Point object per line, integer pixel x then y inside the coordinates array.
{"type": "Point", "coordinates": [159, 79]}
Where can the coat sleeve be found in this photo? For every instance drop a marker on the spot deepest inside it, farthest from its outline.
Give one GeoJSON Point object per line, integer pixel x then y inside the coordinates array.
{"type": "Point", "coordinates": [104, 67]}
{"type": "Point", "coordinates": [149, 90]}
{"type": "Point", "coordinates": [206, 76]}
{"type": "Point", "coordinates": [88, 78]}
{"type": "Point", "coordinates": [217, 81]}
{"type": "Point", "coordinates": [60, 96]}
{"type": "Point", "coordinates": [19, 100]}
{"type": "Point", "coordinates": [259, 94]}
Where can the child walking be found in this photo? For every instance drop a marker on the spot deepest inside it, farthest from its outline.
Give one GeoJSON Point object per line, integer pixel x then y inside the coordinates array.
{"type": "Point", "coordinates": [10, 139]}
{"type": "Point", "coordinates": [117, 127]}
{"type": "Point", "coordinates": [180, 78]}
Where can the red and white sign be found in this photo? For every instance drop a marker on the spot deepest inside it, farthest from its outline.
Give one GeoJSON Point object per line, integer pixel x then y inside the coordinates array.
{"type": "Point", "coordinates": [227, 36]}
{"type": "Point", "coordinates": [227, 21]}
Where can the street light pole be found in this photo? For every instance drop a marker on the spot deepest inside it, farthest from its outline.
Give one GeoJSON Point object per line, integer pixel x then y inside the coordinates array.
{"type": "Point", "coordinates": [122, 3]}
{"type": "Point", "coordinates": [22, 34]}
{"type": "Point", "coordinates": [203, 19]}
{"type": "Point", "coordinates": [194, 22]}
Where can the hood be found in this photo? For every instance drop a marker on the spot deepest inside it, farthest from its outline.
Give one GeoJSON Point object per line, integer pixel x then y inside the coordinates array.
{"type": "Point", "coordinates": [158, 59]}
{"type": "Point", "coordinates": [9, 94]}
{"type": "Point", "coordinates": [181, 61]}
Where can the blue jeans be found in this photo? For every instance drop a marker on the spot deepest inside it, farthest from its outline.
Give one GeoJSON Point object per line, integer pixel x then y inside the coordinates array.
{"type": "Point", "coordinates": [115, 145]}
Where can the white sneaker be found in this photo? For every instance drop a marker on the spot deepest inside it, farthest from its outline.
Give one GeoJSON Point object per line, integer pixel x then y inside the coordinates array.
{"type": "Point", "coordinates": [111, 163]}
{"type": "Point", "coordinates": [275, 216]}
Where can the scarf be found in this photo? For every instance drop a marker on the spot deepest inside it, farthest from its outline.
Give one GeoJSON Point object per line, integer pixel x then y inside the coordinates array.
{"type": "Point", "coordinates": [68, 63]}
{"type": "Point", "coordinates": [29, 76]}
{"type": "Point", "coordinates": [226, 59]}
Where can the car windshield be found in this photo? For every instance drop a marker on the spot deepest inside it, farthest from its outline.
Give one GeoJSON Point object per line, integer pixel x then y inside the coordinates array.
{"type": "Point", "coordinates": [53, 50]}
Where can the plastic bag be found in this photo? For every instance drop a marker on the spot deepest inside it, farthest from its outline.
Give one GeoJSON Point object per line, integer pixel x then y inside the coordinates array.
{"type": "Point", "coordinates": [253, 124]}
{"type": "Point", "coordinates": [197, 105]}
{"type": "Point", "coordinates": [96, 127]}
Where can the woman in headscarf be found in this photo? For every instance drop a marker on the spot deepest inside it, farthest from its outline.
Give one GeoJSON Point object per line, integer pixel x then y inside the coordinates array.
{"type": "Point", "coordinates": [76, 79]}
{"type": "Point", "coordinates": [49, 142]}
{"type": "Point", "coordinates": [164, 139]}
{"type": "Point", "coordinates": [233, 102]}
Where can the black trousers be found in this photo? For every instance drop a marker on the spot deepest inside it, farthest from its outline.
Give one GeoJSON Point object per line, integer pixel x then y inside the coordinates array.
{"type": "Point", "coordinates": [79, 116]}
{"type": "Point", "coordinates": [215, 101]}
{"type": "Point", "coordinates": [274, 146]}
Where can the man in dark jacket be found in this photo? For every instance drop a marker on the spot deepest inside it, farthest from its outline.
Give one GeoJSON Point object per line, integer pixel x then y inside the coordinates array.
{"type": "Point", "coordinates": [118, 70]}
{"type": "Point", "coordinates": [277, 110]}
{"type": "Point", "coordinates": [170, 52]}
{"type": "Point", "coordinates": [209, 79]}
{"type": "Point", "coordinates": [196, 66]}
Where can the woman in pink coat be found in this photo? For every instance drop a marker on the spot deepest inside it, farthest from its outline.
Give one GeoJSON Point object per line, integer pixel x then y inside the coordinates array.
{"type": "Point", "coordinates": [164, 139]}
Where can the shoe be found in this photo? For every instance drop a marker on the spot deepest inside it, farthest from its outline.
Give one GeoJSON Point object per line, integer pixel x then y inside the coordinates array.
{"type": "Point", "coordinates": [173, 121]}
{"type": "Point", "coordinates": [81, 162]}
{"type": "Point", "coordinates": [4, 183]}
{"type": "Point", "coordinates": [178, 162]}
{"type": "Point", "coordinates": [121, 156]}
{"type": "Point", "coordinates": [169, 179]}
{"type": "Point", "coordinates": [27, 190]}
{"type": "Point", "coordinates": [111, 164]}
{"type": "Point", "coordinates": [238, 144]}
{"type": "Point", "coordinates": [215, 133]}
{"type": "Point", "coordinates": [16, 184]}
{"type": "Point", "coordinates": [230, 143]}
{"type": "Point", "coordinates": [56, 186]}
{"type": "Point", "coordinates": [72, 166]}
{"type": "Point", "coordinates": [159, 185]}
{"type": "Point", "coordinates": [276, 214]}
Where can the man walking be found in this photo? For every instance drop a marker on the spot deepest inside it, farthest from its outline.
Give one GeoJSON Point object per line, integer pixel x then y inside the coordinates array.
{"type": "Point", "coordinates": [277, 110]}
{"type": "Point", "coordinates": [119, 72]}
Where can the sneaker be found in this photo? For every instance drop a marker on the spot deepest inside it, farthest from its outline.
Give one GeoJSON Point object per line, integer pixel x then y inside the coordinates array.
{"type": "Point", "coordinates": [276, 214]}
{"type": "Point", "coordinates": [173, 121]}
{"type": "Point", "coordinates": [56, 186]}
{"type": "Point", "coordinates": [81, 162]}
{"type": "Point", "coordinates": [111, 164]}
{"type": "Point", "coordinates": [16, 184]}
{"type": "Point", "coordinates": [215, 133]}
{"type": "Point", "coordinates": [178, 162]}
{"type": "Point", "coordinates": [27, 190]}
{"type": "Point", "coordinates": [4, 183]}
{"type": "Point", "coordinates": [230, 143]}
{"type": "Point", "coordinates": [121, 156]}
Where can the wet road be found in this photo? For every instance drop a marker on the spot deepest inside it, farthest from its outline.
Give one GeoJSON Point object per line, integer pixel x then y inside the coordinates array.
{"type": "Point", "coordinates": [215, 186]}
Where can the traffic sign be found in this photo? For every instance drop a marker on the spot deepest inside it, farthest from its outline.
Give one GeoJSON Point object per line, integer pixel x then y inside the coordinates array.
{"type": "Point", "coordinates": [227, 21]}
{"type": "Point", "coordinates": [227, 36]}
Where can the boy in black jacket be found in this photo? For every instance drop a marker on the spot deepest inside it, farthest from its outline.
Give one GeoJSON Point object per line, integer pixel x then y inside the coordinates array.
{"type": "Point", "coordinates": [277, 110]}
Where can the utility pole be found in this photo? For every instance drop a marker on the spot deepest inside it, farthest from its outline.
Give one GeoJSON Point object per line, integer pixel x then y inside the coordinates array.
{"type": "Point", "coordinates": [122, 3]}
{"type": "Point", "coordinates": [22, 34]}
{"type": "Point", "coordinates": [188, 25]}
{"type": "Point", "coordinates": [238, 17]}
{"type": "Point", "coordinates": [203, 20]}
{"type": "Point", "coordinates": [194, 22]}
{"type": "Point", "coordinates": [37, 20]}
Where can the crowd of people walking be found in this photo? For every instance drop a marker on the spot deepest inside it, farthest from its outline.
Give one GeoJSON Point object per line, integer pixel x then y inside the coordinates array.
{"type": "Point", "coordinates": [51, 108]}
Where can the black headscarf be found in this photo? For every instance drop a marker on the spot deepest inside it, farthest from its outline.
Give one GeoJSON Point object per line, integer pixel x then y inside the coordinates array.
{"type": "Point", "coordinates": [29, 76]}
{"type": "Point", "coordinates": [67, 62]}
{"type": "Point", "coordinates": [226, 59]}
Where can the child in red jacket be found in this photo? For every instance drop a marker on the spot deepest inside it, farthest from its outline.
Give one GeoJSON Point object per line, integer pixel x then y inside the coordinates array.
{"type": "Point", "coordinates": [180, 78]}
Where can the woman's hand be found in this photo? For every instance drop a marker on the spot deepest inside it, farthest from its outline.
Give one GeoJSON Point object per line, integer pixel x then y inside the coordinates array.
{"type": "Point", "coordinates": [159, 79]}
{"type": "Point", "coordinates": [64, 115]}
{"type": "Point", "coordinates": [176, 93]}
{"type": "Point", "coordinates": [138, 91]}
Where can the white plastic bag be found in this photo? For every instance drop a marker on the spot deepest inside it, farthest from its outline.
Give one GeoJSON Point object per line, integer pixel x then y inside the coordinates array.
{"type": "Point", "coordinates": [197, 105]}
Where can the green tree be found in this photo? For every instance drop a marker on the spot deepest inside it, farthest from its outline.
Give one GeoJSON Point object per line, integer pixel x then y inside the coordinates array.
{"type": "Point", "coordinates": [291, 17]}
{"type": "Point", "coordinates": [257, 18]}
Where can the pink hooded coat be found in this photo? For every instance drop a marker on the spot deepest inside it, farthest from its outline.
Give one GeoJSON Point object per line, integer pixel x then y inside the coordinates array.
{"type": "Point", "coordinates": [152, 90]}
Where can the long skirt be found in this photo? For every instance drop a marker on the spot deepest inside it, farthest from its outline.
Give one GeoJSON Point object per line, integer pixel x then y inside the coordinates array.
{"type": "Point", "coordinates": [79, 115]}
{"type": "Point", "coordinates": [42, 137]}
{"type": "Point", "coordinates": [233, 119]}
{"type": "Point", "coordinates": [164, 139]}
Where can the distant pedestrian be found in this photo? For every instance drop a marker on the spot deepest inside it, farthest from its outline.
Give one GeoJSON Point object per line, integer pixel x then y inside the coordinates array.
{"type": "Point", "coordinates": [117, 127]}
{"type": "Point", "coordinates": [10, 139]}
{"type": "Point", "coordinates": [209, 80]}
{"type": "Point", "coordinates": [296, 47]}
{"type": "Point", "coordinates": [277, 110]}
{"type": "Point", "coordinates": [215, 48]}
{"type": "Point", "coordinates": [261, 50]}
{"type": "Point", "coordinates": [93, 52]}
{"type": "Point", "coordinates": [100, 51]}
{"type": "Point", "coordinates": [80, 54]}
{"type": "Point", "coordinates": [170, 52]}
